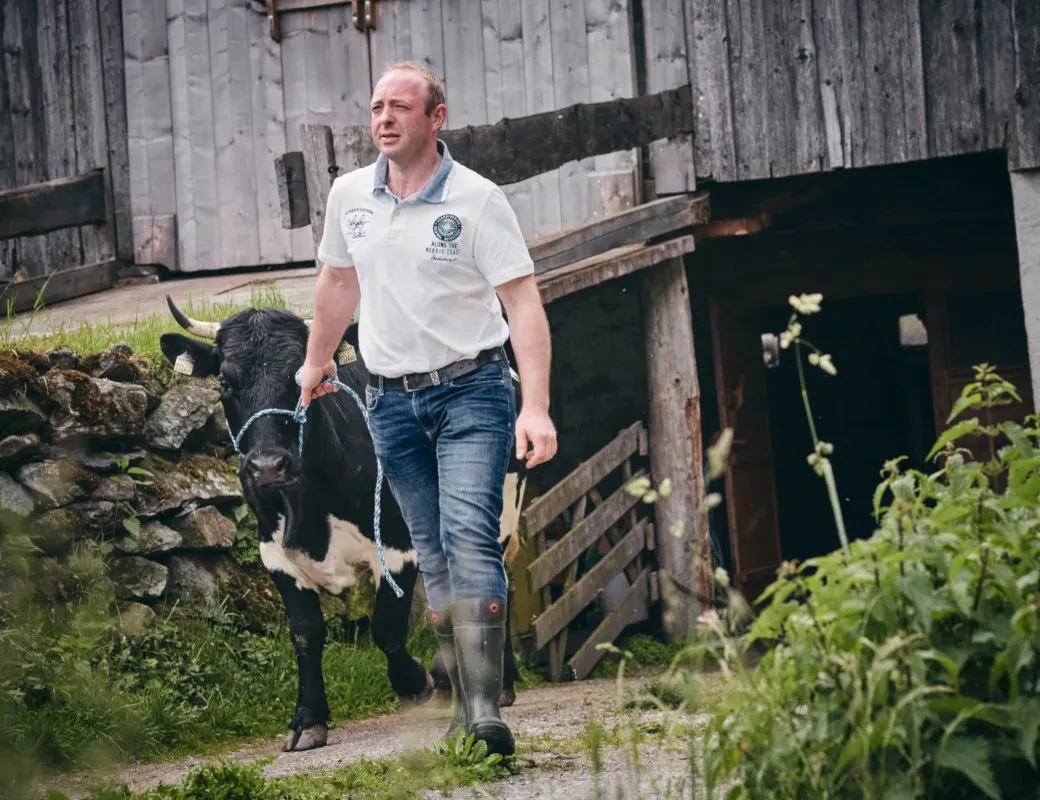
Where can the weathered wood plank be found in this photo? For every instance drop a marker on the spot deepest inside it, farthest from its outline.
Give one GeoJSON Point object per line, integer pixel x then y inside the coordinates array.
{"type": "Point", "coordinates": [795, 145]}
{"type": "Point", "coordinates": [392, 40]}
{"type": "Point", "coordinates": [895, 127]}
{"type": "Point", "coordinates": [637, 224]}
{"type": "Point", "coordinates": [514, 101]}
{"type": "Point", "coordinates": [318, 156]}
{"type": "Point", "coordinates": [632, 608]}
{"type": "Point", "coordinates": [268, 108]}
{"type": "Point", "coordinates": [582, 536]}
{"type": "Point", "coordinates": [426, 36]}
{"type": "Point", "coordinates": [195, 162]}
{"type": "Point", "coordinates": [557, 283]}
{"type": "Point", "coordinates": [674, 425]}
{"type": "Point", "coordinates": [59, 284]}
{"type": "Point", "coordinates": [996, 48]}
{"type": "Point", "coordinates": [513, 150]}
{"type": "Point", "coordinates": [952, 77]}
{"type": "Point", "coordinates": [291, 176]}
{"type": "Point", "coordinates": [110, 29]}
{"type": "Point", "coordinates": [541, 97]}
{"type": "Point", "coordinates": [612, 70]}
{"type": "Point", "coordinates": [53, 205]}
{"type": "Point", "coordinates": [544, 509]}
{"type": "Point", "coordinates": [63, 247]}
{"type": "Point", "coordinates": [1025, 143]}
{"type": "Point", "coordinates": [88, 101]}
{"type": "Point", "coordinates": [155, 240]}
{"type": "Point", "coordinates": [8, 248]}
{"type": "Point", "coordinates": [836, 33]}
{"type": "Point", "coordinates": [232, 135]}
{"type": "Point", "coordinates": [301, 5]}
{"type": "Point", "coordinates": [709, 68]}
{"type": "Point", "coordinates": [464, 82]}
{"type": "Point", "coordinates": [748, 62]}
{"type": "Point", "coordinates": [294, 87]}
{"type": "Point", "coordinates": [351, 91]}
{"type": "Point", "coordinates": [667, 66]}
{"type": "Point", "coordinates": [570, 77]}
{"type": "Point", "coordinates": [556, 617]}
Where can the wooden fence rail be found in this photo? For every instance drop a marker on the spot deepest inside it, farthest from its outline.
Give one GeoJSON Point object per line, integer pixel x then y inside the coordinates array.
{"type": "Point", "coordinates": [593, 518]}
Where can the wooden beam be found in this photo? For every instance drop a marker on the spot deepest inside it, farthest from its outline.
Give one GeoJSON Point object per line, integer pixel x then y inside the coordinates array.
{"type": "Point", "coordinates": [291, 176]}
{"type": "Point", "coordinates": [557, 283]}
{"type": "Point", "coordinates": [632, 607]}
{"type": "Point", "coordinates": [1025, 190]}
{"type": "Point", "coordinates": [320, 163]}
{"type": "Point", "coordinates": [556, 617]}
{"type": "Point", "coordinates": [675, 429]}
{"type": "Point", "coordinates": [638, 224]}
{"type": "Point", "coordinates": [579, 481]}
{"type": "Point", "coordinates": [52, 205]}
{"type": "Point", "coordinates": [551, 563]}
{"type": "Point", "coordinates": [303, 5]}
{"type": "Point", "coordinates": [64, 284]}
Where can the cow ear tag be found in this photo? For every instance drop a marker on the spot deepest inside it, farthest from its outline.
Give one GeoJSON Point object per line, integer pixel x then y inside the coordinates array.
{"type": "Point", "coordinates": [184, 364]}
{"type": "Point", "coordinates": [346, 353]}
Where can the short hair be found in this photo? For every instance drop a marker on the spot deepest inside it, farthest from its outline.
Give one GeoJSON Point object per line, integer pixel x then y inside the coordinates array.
{"type": "Point", "coordinates": [434, 88]}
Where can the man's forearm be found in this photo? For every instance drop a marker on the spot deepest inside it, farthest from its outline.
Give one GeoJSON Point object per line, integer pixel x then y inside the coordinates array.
{"type": "Point", "coordinates": [529, 334]}
{"type": "Point", "coordinates": [336, 295]}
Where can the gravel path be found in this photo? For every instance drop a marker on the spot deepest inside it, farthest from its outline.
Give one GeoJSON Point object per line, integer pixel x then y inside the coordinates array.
{"type": "Point", "coordinates": [554, 712]}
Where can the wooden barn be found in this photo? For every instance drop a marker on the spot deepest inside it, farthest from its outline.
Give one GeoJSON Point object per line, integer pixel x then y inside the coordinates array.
{"type": "Point", "coordinates": [711, 158]}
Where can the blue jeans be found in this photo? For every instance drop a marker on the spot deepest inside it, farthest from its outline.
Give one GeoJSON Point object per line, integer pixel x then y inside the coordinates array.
{"type": "Point", "coordinates": [444, 451]}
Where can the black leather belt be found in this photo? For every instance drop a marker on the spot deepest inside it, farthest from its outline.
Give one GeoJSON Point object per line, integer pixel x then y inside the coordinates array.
{"type": "Point", "coordinates": [415, 381]}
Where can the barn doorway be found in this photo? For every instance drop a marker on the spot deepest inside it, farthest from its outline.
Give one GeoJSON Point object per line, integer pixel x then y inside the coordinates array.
{"type": "Point", "coordinates": [878, 406]}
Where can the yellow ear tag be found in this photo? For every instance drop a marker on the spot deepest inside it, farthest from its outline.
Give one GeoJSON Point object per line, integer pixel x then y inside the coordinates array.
{"type": "Point", "coordinates": [184, 364]}
{"type": "Point", "coordinates": [346, 353]}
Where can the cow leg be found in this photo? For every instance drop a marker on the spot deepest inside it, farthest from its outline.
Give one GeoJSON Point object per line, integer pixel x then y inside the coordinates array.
{"type": "Point", "coordinates": [307, 730]}
{"type": "Point", "coordinates": [408, 677]}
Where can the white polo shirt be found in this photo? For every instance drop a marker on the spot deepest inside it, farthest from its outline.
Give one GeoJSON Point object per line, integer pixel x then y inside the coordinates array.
{"type": "Point", "coordinates": [427, 265]}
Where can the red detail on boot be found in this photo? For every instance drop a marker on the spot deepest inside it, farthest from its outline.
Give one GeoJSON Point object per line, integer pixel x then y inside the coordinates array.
{"type": "Point", "coordinates": [435, 617]}
{"type": "Point", "coordinates": [494, 608]}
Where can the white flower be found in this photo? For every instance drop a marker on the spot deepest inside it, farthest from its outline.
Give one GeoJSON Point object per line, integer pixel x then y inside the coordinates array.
{"type": "Point", "coordinates": [721, 577]}
{"type": "Point", "coordinates": [806, 303]}
{"type": "Point", "coordinates": [827, 365]}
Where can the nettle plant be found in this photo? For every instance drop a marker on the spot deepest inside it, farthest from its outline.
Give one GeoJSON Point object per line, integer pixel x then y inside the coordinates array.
{"type": "Point", "coordinates": [906, 664]}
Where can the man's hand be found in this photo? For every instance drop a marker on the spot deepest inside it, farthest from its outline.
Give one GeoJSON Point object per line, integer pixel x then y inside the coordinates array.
{"type": "Point", "coordinates": [535, 428]}
{"type": "Point", "coordinates": [311, 381]}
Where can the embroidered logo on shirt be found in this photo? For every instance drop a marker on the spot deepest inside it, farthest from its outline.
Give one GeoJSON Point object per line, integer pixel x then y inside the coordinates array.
{"type": "Point", "coordinates": [355, 222]}
{"type": "Point", "coordinates": [447, 227]}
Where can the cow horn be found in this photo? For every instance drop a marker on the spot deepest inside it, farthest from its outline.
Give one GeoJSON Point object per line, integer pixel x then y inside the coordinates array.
{"type": "Point", "coordinates": [205, 330]}
{"type": "Point", "coordinates": [309, 323]}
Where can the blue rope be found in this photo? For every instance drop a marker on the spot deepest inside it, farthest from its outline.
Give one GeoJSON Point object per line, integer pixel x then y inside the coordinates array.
{"type": "Point", "coordinates": [299, 416]}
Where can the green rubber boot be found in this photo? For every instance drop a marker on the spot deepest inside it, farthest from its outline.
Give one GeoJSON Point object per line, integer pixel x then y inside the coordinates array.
{"type": "Point", "coordinates": [442, 626]}
{"type": "Point", "coordinates": [480, 641]}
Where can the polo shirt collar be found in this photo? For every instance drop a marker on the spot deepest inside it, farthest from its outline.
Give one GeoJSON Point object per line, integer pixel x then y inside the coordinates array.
{"type": "Point", "coordinates": [435, 188]}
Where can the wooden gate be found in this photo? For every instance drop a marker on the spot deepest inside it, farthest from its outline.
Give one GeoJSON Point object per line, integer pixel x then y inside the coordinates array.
{"type": "Point", "coordinates": [593, 520]}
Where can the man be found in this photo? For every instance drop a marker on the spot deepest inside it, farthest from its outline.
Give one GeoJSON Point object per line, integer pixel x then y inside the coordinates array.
{"type": "Point", "coordinates": [432, 251]}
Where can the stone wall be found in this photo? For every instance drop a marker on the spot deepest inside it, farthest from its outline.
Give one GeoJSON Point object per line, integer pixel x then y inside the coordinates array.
{"type": "Point", "coordinates": [96, 449]}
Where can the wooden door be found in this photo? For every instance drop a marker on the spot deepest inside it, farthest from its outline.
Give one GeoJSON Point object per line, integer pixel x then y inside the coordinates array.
{"type": "Point", "coordinates": [751, 506]}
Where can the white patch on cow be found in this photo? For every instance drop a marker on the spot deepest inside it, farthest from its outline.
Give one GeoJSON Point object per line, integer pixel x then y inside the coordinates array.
{"type": "Point", "coordinates": [348, 548]}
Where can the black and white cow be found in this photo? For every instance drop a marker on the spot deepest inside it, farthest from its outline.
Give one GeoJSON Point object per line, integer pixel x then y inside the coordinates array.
{"type": "Point", "coordinates": [315, 512]}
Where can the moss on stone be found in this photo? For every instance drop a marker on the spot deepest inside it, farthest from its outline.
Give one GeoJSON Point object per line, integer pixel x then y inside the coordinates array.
{"type": "Point", "coordinates": [15, 373]}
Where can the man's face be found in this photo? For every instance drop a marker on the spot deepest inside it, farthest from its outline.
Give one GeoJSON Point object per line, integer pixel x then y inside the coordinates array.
{"type": "Point", "coordinates": [401, 127]}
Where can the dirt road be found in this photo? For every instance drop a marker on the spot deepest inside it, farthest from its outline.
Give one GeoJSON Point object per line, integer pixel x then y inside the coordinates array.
{"type": "Point", "coordinates": [549, 723]}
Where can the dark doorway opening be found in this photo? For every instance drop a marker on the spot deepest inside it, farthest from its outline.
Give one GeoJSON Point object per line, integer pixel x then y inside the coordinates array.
{"type": "Point", "coordinates": [878, 407]}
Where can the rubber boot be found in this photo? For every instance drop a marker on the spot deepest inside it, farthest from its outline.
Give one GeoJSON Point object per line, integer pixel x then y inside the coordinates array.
{"type": "Point", "coordinates": [442, 626]}
{"type": "Point", "coordinates": [480, 641]}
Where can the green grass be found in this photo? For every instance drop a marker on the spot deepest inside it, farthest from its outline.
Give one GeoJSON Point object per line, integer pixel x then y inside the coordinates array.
{"type": "Point", "coordinates": [92, 336]}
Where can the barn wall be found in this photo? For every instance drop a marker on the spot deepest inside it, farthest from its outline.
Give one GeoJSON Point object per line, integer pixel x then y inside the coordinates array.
{"type": "Point", "coordinates": [62, 113]}
{"type": "Point", "coordinates": [789, 88]}
{"type": "Point", "coordinates": [212, 101]}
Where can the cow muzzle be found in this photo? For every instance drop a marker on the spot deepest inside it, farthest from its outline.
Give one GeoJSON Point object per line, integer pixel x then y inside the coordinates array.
{"type": "Point", "coordinates": [269, 470]}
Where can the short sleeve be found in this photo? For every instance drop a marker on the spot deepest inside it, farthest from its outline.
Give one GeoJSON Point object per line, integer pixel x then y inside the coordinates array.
{"type": "Point", "coordinates": [500, 249]}
{"type": "Point", "coordinates": [333, 247]}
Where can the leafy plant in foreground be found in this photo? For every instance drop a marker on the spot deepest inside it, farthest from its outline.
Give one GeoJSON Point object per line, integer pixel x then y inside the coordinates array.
{"type": "Point", "coordinates": [906, 664]}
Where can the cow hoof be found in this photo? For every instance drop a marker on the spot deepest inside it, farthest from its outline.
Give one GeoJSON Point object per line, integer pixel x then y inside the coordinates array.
{"type": "Point", "coordinates": [507, 698]}
{"type": "Point", "coordinates": [307, 739]}
{"type": "Point", "coordinates": [422, 697]}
